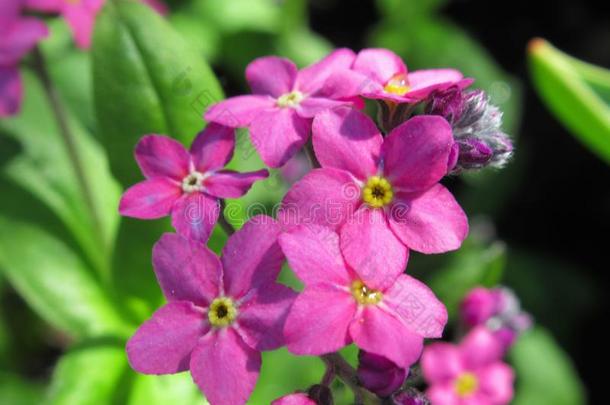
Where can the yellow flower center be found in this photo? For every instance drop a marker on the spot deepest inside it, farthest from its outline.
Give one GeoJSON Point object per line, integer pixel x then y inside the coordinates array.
{"type": "Point", "coordinates": [377, 192]}
{"type": "Point", "coordinates": [398, 85]}
{"type": "Point", "coordinates": [291, 99]}
{"type": "Point", "coordinates": [193, 182]}
{"type": "Point", "coordinates": [365, 295]}
{"type": "Point", "coordinates": [222, 312]}
{"type": "Point", "coordinates": [466, 384]}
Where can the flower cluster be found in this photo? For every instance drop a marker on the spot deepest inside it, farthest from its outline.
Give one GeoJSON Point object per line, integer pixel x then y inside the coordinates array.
{"type": "Point", "coordinates": [345, 228]}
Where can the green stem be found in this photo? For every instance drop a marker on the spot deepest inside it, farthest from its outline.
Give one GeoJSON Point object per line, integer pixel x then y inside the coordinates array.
{"type": "Point", "coordinates": [346, 373]}
{"type": "Point", "coordinates": [222, 220]}
{"type": "Point", "coordinates": [311, 155]}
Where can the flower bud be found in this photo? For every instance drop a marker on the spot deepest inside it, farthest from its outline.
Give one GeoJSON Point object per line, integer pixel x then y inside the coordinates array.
{"type": "Point", "coordinates": [378, 374]}
{"type": "Point", "coordinates": [409, 396]}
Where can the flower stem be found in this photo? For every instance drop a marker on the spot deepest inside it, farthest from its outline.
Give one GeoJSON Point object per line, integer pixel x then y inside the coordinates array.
{"type": "Point", "coordinates": [71, 144]}
{"type": "Point", "coordinates": [311, 155]}
{"type": "Point", "coordinates": [222, 220]}
{"type": "Point", "coordinates": [346, 373]}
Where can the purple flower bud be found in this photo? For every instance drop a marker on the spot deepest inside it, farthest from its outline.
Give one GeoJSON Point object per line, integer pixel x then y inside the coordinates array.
{"type": "Point", "coordinates": [378, 374]}
{"type": "Point", "coordinates": [474, 153]}
{"type": "Point", "coordinates": [448, 104]}
{"type": "Point", "coordinates": [410, 396]}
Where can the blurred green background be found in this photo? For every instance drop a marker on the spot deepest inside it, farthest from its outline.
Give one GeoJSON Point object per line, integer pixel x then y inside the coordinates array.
{"type": "Point", "coordinates": [76, 279]}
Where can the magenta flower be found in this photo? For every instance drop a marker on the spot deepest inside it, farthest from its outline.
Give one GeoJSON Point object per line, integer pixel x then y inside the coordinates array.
{"type": "Point", "coordinates": [379, 375]}
{"type": "Point", "coordinates": [385, 313]}
{"type": "Point", "coordinates": [298, 398]}
{"type": "Point", "coordinates": [285, 100]}
{"type": "Point", "coordinates": [471, 373]}
{"type": "Point", "coordinates": [382, 195]}
{"type": "Point", "coordinates": [18, 35]}
{"type": "Point", "coordinates": [186, 185]}
{"type": "Point", "coordinates": [220, 313]}
{"type": "Point", "coordinates": [381, 74]}
{"type": "Point", "coordinates": [81, 14]}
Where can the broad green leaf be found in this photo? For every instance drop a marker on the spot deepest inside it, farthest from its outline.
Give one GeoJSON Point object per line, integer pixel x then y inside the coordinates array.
{"type": "Point", "coordinates": [15, 390]}
{"type": "Point", "coordinates": [475, 264]}
{"type": "Point", "coordinates": [165, 389]}
{"type": "Point", "coordinates": [146, 79]}
{"type": "Point", "coordinates": [545, 374]}
{"type": "Point", "coordinates": [44, 169]}
{"type": "Point", "coordinates": [55, 282]}
{"type": "Point", "coordinates": [89, 374]}
{"type": "Point", "coordinates": [562, 85]}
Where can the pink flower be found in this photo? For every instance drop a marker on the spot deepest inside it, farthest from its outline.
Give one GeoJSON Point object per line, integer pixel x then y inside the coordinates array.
{"type": "Point", "coordinates": [379, 375]}
{"type": "Point", "coordinates": [298, 398]}
{"type": "Point", "coordinates": [81, 14]}
{"type": "Point", "coordinates": [186, 185]}
{"type": "Point", "coordinates": [220, 313]}
{"type": "Point", "coordinates": [285, 100]}
{"type": "Point", "coordinates": [471, 373]}
{"type": "Point", "coordinates": [387, 314]}
{"type": "Point", "coordinates": [18, 35]}
{"type": "Point", "coordinates": [381, 74]}
{"type": "Point", "coordinates": [382, 195]}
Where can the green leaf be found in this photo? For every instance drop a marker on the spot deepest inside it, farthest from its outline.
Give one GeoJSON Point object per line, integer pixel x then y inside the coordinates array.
{"type": "Point", "coordinates": [17, 391]}
{"type": "Point", "coordinates": [545, 374]}
{"type": "Point", "coordinates": [561, 83]}
{"type": "Point", "coordinates": [55, 282]}
{"type": "Point", "coordinates": [43, 168]}
{"type": "Point", "coordinates": [89, 374]}
{"type": "Point", "coordinates": [475, 264]}
{"type": "Point", "coordinates": [146, 79]}
{"type": "Point", "coordinates": [165, 389]}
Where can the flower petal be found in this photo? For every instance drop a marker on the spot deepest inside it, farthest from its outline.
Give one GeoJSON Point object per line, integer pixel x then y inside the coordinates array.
{"type": "Point", "coordinates": [379, 64]}
{"type": "Point", "coordinates": [429, 222]}
{"type": "Point", "coordinates": [312, 106]}
{"type": "Point", "coordinates": [194, 216]}
{"type": "Point", "coordinates": [232, 184]}
{"type": "Point", "coordinates": [347, 139]}
{"type": "Point", "coordinates": [11, 91]}
{"type": "Point", "coordinates": [314, 255]}
{"type": "Point", "coordinates": [186, 270]}
{"type": "Point", "coordinates": [261, 319]}
{"type": "Point", "coordinates": [225, 368]}
{"type": "Point", "coordinates": [213, 147]}
{"type": "Point", "coordinates": [311, 79]}
{"type": "Point", "coordinates": [346, 83]}
{"type": "Point", "coordinates": [416, 153]}
{"type": "Point", "coordinates": [323, 196]}
{"type": "Point", "coordinates": [423, 82]}
{"type": "Point", "coordinates": [496, 383]}
{"type": "Point", "coordinates": [163, 344]}
{"type": "Point", "coordinates": [297, 398]}
{"type": "Point", "coordinates": [372, 249]}
{"type": "Point", "coordinates": [150, 199]}
{"type": "Point", "coordinates": [480, 348]}
{"type": "Point", "coordinates": [252, 256]}
{"type": "Point", "coordinates": [378, 332]}
{"type": "Point", "coordinates": [23, 34]}
{"type": "Point", "coordinates": [159, 156]}
{"type": "Point", "coordinates": [416, 306]}
{"type": "Point", "coordinates": [441, 362]}
{"type": "Point", "coordinates": [443, 394]}
{"type": "Point", "coordinates": [81, 19]}
{"type": "Point", "coordinates": [319, 319]}
{"type": "Point", "coordinates": [240, 111]}
{"type": "Point", "coordinates": [271, 75]}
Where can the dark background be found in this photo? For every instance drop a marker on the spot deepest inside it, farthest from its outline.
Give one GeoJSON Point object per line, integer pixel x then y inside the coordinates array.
{"type": "Point", "coordinates": [561, 206]}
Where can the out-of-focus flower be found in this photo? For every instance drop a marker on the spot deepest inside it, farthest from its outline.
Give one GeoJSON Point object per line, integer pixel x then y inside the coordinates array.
{"type": "Point", "coordinates": [18, 35]}
{"type": "Point", "coordinates": [476, 125]}
{"type": "Point", "coordinates": [378, 374]}
{"type": "Point", "coordinates": [220, 313]}
{"type": "Point", "coordinates": [381, 74]}
{"type": "Point", "coordinates": [386, 313]}
{"type": "Point", "coordinates": [186, 184]}
{"type": "Point", "coordinates": [81, 14]}
{"type": "Point", "coordinates": [471, 372]}
{"type": "Point", "coordinates": [285, 100]}
{"type": "Point", "coordinates": [499, 310]}
{"type": "Point", "coordinates": [382, 195]}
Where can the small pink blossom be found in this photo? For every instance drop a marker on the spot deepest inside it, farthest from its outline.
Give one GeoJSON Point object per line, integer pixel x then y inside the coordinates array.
{"type": "Point", "coordinates": [469, 373]}
{"type": "Point", "coordinates": [186, 184]}
{"type": "Point", "coordinates": [220, 313]}
{"type": "Point", "coordinates": [18, 35]}
{"type": "Point", "coordinates": [382, 195]}
{"type": "Point", "coordinates": [381, 74]}
{"type": "Point", "coordinates": [379, 375]}
{"type": "Point", "coordinates": [81, 14]}
{"type": "Point", "coordinates": [280, 112]}
{"type": "Point", "coordinates": [388, 314]}
{"type": "Point", "coordinates": [298, 398]}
